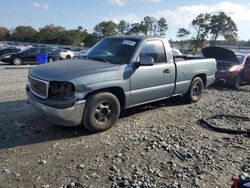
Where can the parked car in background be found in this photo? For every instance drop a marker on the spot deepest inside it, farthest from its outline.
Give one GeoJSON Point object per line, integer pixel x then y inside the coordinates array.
{"type": "Point", "coordinates": [65, 54]}
{"type": "Point", "coordinates": [176, 52]}
{"type": "Point", "coordinates": [75, 50]}
{"type": "Point", "coordinates": [233, 68]}
{"type": "Point", "coordinates": [118, 73]}
{"type": "Point", "coordinates": [81, 55]}
{"type": "Point", "coordinates": [29, 56]}
{"type": "Point", "coordinates": [8, 50]}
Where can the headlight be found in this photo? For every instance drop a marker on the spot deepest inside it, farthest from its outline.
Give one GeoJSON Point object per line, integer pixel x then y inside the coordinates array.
{"type": "Point", "coordinates": [61, 90]}
{"type": "Point", "coordinates": [233, 68]}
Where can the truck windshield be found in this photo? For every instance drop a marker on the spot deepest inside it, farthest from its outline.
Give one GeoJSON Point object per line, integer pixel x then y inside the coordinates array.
{"type": "Point", "coordinates": [113, 50]}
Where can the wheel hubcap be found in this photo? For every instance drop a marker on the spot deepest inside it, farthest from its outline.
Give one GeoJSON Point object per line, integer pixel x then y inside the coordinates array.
{"type": "Point", "coordinates": [103, 112]}
{"type": "Point", "coordinates": [17, 61]}
{"type": "Point", "coordinates": [197, 89]}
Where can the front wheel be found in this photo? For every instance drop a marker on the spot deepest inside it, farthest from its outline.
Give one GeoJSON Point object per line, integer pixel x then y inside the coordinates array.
{"type": "Point", "coordinates": [17, 61]}
{"type": "Point", "coordinates": [195, 90]}
{"type": "Point", "coordinates": [101, 112]}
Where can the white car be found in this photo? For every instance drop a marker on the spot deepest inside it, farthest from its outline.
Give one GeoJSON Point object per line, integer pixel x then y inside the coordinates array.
{"type": "Point", "coordinates": [81, 55]}
{"type": "Point", "coordinates": [65, 54]}
{"type": "Point", "coordinates": [176, 52]}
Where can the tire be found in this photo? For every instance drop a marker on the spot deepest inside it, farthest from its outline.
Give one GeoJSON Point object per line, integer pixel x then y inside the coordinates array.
{"type": "Point", "coordinates": [50, 60]}
{"type": "Point", "coordinates": [101, 112]}
{"type": "Point", "coordinates": [17, 61]}
{"type": "Point", "coordinates": [195, 90]}
{"type": "Point", "coordinates": [68, 57]}
{"type": "Point", "coordinates": [237, 83]}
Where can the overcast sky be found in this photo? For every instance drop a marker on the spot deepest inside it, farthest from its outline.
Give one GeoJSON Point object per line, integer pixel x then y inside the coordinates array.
{"type": "Point", "coordinates": [87, 13]}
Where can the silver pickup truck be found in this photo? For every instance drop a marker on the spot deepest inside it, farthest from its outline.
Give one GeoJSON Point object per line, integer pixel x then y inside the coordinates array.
{"type": "Point", "coordinates": [118, 73]}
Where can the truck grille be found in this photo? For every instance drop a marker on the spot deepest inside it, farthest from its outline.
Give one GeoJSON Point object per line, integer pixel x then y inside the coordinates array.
{"type": "Point", "coordinates": [38, 87]}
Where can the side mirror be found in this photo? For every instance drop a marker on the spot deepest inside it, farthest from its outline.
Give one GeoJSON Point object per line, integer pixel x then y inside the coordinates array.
{"type": "Point", "coordinates": [146, 61]}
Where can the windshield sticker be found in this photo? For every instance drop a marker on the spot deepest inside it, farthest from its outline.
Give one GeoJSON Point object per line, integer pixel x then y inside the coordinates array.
{"type": "Point", "coordinates": [129, 42]}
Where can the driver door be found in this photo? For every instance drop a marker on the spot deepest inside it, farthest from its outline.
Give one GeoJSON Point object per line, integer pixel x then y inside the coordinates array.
{"type": "Point", "coordinates": [149, 83]}
{"type": "Point", "coordinates": [30, 56]}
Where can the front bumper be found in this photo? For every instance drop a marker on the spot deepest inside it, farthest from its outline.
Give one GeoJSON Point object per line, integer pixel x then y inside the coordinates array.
{"type": "Point", "coordinates": [71, 116]}
{"type": "Point", "coordinates": [6, 60]}
{"type": "Point", "coordinates": [226, 76]}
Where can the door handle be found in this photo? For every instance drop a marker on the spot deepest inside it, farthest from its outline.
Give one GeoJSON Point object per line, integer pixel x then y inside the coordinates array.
{"type": "Point", "coordinates": [166, 71]}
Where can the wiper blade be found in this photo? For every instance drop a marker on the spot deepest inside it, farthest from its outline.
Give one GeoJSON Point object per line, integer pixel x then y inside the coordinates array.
{"type": "Point", "coordinates": [84, 57]}
{"type": "Point", "coordinates": [98, 58]}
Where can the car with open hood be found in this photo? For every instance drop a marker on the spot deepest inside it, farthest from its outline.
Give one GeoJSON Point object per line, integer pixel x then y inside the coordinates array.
{"type": "Point", "coordinates": [232, 68]}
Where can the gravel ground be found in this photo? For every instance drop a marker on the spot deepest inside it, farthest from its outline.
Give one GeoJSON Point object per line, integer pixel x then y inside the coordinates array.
{"type": "Point", "coordinates": [155, 145]}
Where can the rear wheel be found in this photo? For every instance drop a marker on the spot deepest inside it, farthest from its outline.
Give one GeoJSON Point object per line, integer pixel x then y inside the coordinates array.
{"type": "Point", "coordinates": [101, 112]}
{"type": "Point", "coordinates": [17, 61]}
{"type": "Point", "coordinates": [195, 90]}
{"type": "Point", "coordinates": [50, 60]}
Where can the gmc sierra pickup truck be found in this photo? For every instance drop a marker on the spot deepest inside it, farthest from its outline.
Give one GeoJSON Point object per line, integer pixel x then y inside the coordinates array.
{"type": "Point", "coordinates": [117, 73]}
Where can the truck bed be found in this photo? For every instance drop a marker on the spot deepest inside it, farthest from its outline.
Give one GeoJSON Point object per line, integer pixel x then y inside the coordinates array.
{"type": "Point", "coordinates": [189, 67]}
{"type": "Point", "coordinates": [185, 58]}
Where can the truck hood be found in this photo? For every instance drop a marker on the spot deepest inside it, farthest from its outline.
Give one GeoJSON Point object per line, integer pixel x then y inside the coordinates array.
{"type": "Point", "coordinates": [220, 54]}
{"type": "Point", "coordinates": [70, 69]}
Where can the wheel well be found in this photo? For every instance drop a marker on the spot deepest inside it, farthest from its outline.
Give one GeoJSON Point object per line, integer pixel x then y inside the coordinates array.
{"type": "Point", "coordinates": [117, 91]}
{"type": "Point", "coordinates": [17, 57]}
{"type": "Point", "coordinates": [203, 77]}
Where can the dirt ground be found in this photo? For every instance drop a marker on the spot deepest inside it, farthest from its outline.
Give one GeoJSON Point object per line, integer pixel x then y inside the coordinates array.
{"type": "Point", "coordinates": [155, 145]}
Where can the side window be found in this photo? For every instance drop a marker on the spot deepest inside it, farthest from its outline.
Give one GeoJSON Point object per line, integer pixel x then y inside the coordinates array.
{"type": "Point", "coordinates": [49, 51]}
{"type": "Point", "coordinates": [43, 50]}
{"type": "Point", "coordinates": [32, 51]}
{"type": "Point", "coordinates": [154, 49]}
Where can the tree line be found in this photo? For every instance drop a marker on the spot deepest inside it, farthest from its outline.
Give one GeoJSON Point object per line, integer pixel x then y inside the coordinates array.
{"type": "Point", "coordinates": [208, 29]}
{"type": "Point", "coordinates": [205, 28]}
{"type": "Point", "coordinates": [52, 34]}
